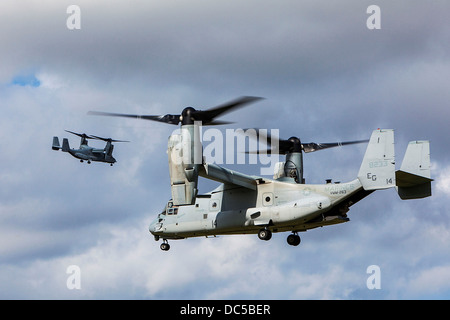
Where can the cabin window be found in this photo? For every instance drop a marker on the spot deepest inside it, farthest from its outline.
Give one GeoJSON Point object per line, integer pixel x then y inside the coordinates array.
{"type": "Point", "coordinates": [267, 199]}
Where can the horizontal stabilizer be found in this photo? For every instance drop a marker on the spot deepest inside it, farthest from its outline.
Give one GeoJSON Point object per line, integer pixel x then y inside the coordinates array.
{"type": "Point", "coordinates": [413, 180]}
{"type": "Point", "coordinates": [406, 180]}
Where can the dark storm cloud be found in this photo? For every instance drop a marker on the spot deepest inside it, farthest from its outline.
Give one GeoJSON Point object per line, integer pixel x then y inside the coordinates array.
{"type": "Point", "coordinates": [325, 77]}
{"type": "Point", "coordinates": [291, 41]}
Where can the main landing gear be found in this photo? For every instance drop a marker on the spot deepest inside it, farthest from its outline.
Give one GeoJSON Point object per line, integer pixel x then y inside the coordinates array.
{"type": "Point", "coordinates": [265, 234]}
{"type": "Point", "coordinates": [293, 239]}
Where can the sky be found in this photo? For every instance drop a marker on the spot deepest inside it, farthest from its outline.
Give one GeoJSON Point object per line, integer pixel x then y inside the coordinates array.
{"type": "Point", "coordinates": [325, 77]}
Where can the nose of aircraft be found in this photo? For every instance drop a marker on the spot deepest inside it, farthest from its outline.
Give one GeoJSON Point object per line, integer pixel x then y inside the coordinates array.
{"type": "Point", "coordinates": [155, 226]}
{"type": "Point", "coordinates": [152, 226]}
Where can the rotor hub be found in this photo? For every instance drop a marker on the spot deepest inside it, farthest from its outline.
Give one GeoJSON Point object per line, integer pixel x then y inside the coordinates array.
{"type": "Point", "coordinates": [296, 144]}
{"type": "Point", "coordinates": [187, 116]}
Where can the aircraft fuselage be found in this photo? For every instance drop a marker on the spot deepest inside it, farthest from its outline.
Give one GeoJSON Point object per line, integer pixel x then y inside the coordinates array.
{"type": "Point", "coordinates": [282, 206]}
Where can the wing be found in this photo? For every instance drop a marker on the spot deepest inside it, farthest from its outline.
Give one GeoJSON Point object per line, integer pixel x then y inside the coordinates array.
{"type": "Point", "coordinates": [217, 173]}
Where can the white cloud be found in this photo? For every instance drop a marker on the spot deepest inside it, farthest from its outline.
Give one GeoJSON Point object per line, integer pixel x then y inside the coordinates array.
{"type": "Point", "coordinates": [324, 75]}
{"type": "Point", "coordinates": [51, 81]}
{"type": "Point", "coordinates": [443, 181]}
{"type": "Point", "coordinates": [429, 281]}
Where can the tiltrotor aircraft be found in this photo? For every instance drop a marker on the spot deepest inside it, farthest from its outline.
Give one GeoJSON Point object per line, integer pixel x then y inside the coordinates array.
{"type": "Point", "coordinates": [86, 152]}
{"type": "Point", "coordinates": [245, 204]}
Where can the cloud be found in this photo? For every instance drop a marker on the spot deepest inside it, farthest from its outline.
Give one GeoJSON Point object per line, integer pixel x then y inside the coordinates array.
{"type": "Point", "coordinates": [50, 81]}
{"type": "Point", "coordinates": [443, 181]}
{"type": "Point", "coordinates": [325, 77]}
{"type": "Point", "coordinates": [431, 281]}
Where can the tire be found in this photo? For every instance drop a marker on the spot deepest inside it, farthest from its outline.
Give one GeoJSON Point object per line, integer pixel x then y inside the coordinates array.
{"type": "Point", "coordinates": [165, 246]}
{"type": "Point", "coordinates": [265, 234]}
{"type": "Point", "coordinates": [293, 240]}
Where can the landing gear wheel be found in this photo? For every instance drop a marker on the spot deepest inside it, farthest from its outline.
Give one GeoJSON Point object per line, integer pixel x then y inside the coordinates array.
{"type": "Point", "coordinates": [165, 246]}
{"type": "Point", "coordinates": [293, 239]}
{"type": "Point", "coordinates": [265, 234]}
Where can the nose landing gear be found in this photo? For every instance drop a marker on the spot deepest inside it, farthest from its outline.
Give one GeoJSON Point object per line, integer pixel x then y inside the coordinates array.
{"type": "Point", "coordinates": [165, 245]}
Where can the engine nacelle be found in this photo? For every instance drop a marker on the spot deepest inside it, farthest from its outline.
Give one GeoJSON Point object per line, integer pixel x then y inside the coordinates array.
{"type": "Point", "coordinates": [291, 168]}
{"type": "Point", "coordinates": [278, 171]}
{"type": "Point", "coordinates": [185, 157]}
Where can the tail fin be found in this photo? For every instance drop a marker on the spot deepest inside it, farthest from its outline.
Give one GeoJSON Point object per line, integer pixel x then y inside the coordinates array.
{"type": "Point", "coordinates": [109, 148]}
{"type": "Point", "coordinates": [65, 146]}
{"type": "Point", "coordinates": [55, 145]}
{"type": "Point", "coordinates": [377, 169]}
{"type": "Point", "coordinates": [414, 176]}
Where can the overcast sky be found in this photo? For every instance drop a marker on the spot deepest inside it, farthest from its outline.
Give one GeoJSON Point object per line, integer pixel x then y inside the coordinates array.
{"type": "Point", "coordinates": [325, 77]}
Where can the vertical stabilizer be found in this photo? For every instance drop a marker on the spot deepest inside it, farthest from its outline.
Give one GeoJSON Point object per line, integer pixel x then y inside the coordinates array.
{"type": "Point", "coordinates": [414, 176]}
{"type": "Point", "coordinates": [55, 145]}
{"type": "Point", "coordinates": [377, 169]}
{"type": "Point", "coordinates": [65, 145]}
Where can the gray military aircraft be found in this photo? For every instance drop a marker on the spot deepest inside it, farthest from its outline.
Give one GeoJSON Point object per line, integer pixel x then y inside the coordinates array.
{"type": "Point", "coordinates": [86, 152]}
{"type": "Point", "coordinates": [245, 204]}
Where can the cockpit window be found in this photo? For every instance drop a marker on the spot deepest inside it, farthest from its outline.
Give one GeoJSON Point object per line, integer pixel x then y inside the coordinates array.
{"type": "Point", "coordinates": [172, 211]}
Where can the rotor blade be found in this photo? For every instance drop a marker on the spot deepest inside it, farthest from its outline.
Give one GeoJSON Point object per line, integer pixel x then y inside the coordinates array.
{"type": "Point", "coordinates": [217, 123]}
{"type": "Point", "coordinates": [268, 151]}
{"type": "Point", "coordinates": [311, 147]}
{"type": "Point", "coordinates": [168, 118]}
{"type": "Point", "coordinates": [292, 144]}
{"type": "Point", "coordinates": [114, 140]}
{"type": "Point", "coordinates": [281, 146]}
{"type": "Point", "coordinates": [207, 116]}
{"type": "Point", "coordinates": [189, 114]}
{"type": "Point", "coordinates": [82, 135]}
{"type": "Point", "coordinates": [107, 139]}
